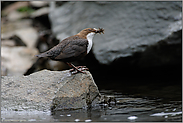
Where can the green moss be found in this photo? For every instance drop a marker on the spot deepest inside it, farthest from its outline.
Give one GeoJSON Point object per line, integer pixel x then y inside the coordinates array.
{"type": "Point", "coordinates": [26, 9]}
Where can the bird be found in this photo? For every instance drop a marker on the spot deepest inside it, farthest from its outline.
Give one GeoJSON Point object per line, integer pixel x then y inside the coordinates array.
{"type": "Point", "coordinates": [73, 48]}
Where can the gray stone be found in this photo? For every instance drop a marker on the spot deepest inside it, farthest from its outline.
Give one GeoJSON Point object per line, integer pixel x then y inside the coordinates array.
{"type": "Point", "coordinates": [45, 89]}
{"type": "Point", "coordinates": [130, 27]}
{"type": "Point", "coordinates": [77, 91]}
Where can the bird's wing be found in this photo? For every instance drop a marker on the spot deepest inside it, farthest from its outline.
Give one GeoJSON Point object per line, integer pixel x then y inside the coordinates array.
{"type": "Point", "coordinates": [73, 49]}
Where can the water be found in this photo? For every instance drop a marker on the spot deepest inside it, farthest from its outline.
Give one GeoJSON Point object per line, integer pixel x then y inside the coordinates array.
{"type": "Point", "coordinates": [128, 108]}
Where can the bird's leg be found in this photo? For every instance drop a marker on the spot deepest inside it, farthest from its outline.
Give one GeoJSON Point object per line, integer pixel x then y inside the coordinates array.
{"type": "Point", "coordinates": [75, 68]}
{"type": "Point", "coordinates": [82, 67]}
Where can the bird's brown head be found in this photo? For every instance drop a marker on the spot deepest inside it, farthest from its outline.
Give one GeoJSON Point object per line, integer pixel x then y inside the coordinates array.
{"type": "Point", "coordinates": [86, 31]}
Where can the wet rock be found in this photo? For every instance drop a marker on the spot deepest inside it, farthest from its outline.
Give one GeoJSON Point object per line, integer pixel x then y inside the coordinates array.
{"type": "Point", "coordinates": [130, 27]}
{"type": "Point", "coordinates": [17, 60]}
{"type": "Point", "coordinates": [45, 89]}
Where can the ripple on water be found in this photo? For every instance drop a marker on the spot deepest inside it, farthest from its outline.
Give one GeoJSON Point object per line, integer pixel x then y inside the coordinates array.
{"type": "Point", "coordinates": [132, 117]}
{"type": "Point", "coordinates": [165, 114]}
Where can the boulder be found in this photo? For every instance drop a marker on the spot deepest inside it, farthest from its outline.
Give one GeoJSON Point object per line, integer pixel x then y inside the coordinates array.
{"type": "Point", "coordinates": [17, 60]}
{"type": "Point", "coordinates": [130, 27]}
{"type": "Point", "coordinates": [45, 89]}
{"type": "Point", "coordinates": [28, 35]}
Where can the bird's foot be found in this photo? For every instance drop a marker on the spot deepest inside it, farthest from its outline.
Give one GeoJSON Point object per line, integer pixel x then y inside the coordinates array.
{"type": "Point", "coordinates": [79, 69]}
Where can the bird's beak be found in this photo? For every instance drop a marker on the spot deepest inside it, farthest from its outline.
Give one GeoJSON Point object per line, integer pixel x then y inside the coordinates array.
{"type": "Point", "coordinates": [99, 30]}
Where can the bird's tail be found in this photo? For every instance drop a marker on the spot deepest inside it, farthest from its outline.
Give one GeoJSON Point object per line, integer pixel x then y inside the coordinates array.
{"type": "Point", "coordinates": [42, 55]}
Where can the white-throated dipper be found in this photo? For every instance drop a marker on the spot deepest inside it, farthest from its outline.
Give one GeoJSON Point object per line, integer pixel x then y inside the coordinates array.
{"type": "Point", "coordinates": [73, 48]}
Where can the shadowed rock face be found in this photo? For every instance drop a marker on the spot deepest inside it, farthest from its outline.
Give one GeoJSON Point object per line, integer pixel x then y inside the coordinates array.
{"type": "Point", "coordinates": [130, 27]}
{"type": "Point", "coordinates": [45, 89]}
{"type": "Point", "coordinates": [77, 91]}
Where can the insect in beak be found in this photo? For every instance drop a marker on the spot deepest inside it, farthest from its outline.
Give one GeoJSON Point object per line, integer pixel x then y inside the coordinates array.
{"type": "Point", "coordinates": [100, 30]}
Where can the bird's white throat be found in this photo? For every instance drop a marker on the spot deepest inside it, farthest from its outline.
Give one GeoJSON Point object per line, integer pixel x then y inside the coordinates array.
{"type": "Point", "coordinates": [90, 43]}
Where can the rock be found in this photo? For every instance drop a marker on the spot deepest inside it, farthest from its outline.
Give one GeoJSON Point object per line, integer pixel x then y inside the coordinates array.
{"type": "Point", "coordinates": [17, 40]}
{"type": "Point", "coordinates": [15, 15]}
{"type": "Point", "coordinates": [17, 60]}
{"type": "Point", "coordinates": [39, 3]}
{"type": "Point", "coordinates": [9, 43]}
{"type": "Point", "coordinates": [79, 92]}
{"type": "Point", "coordinates": [166, 52]}
{"type": "Point", "coordinates": [40, 12]}
{"type": "Point", "coordinates": [20, 31]}
{"type": "Point", "coordinates": [14, 6]}
{"type": "Point", "coordinates": [130, 27]}
{"type": "Point", "coordinates": [45, 89]}
{"type": "Point", "coordinates": [4, 71]}
{"type": "Point", "coordinates": [28, 35]}
{"type": "Point", "coordinates": [9, 28]}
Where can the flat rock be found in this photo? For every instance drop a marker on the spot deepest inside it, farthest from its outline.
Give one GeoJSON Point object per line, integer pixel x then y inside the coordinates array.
{"type": "Point", "coordinates": [45, 89]}
{"type": "Point", "coordinates": [17, 60]}
{"type": "Point", "coordinates": [130, 27]}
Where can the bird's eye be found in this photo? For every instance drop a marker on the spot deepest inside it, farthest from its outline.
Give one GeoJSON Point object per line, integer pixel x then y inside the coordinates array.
{"type": "Point", "coordinates": [89, 30]}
